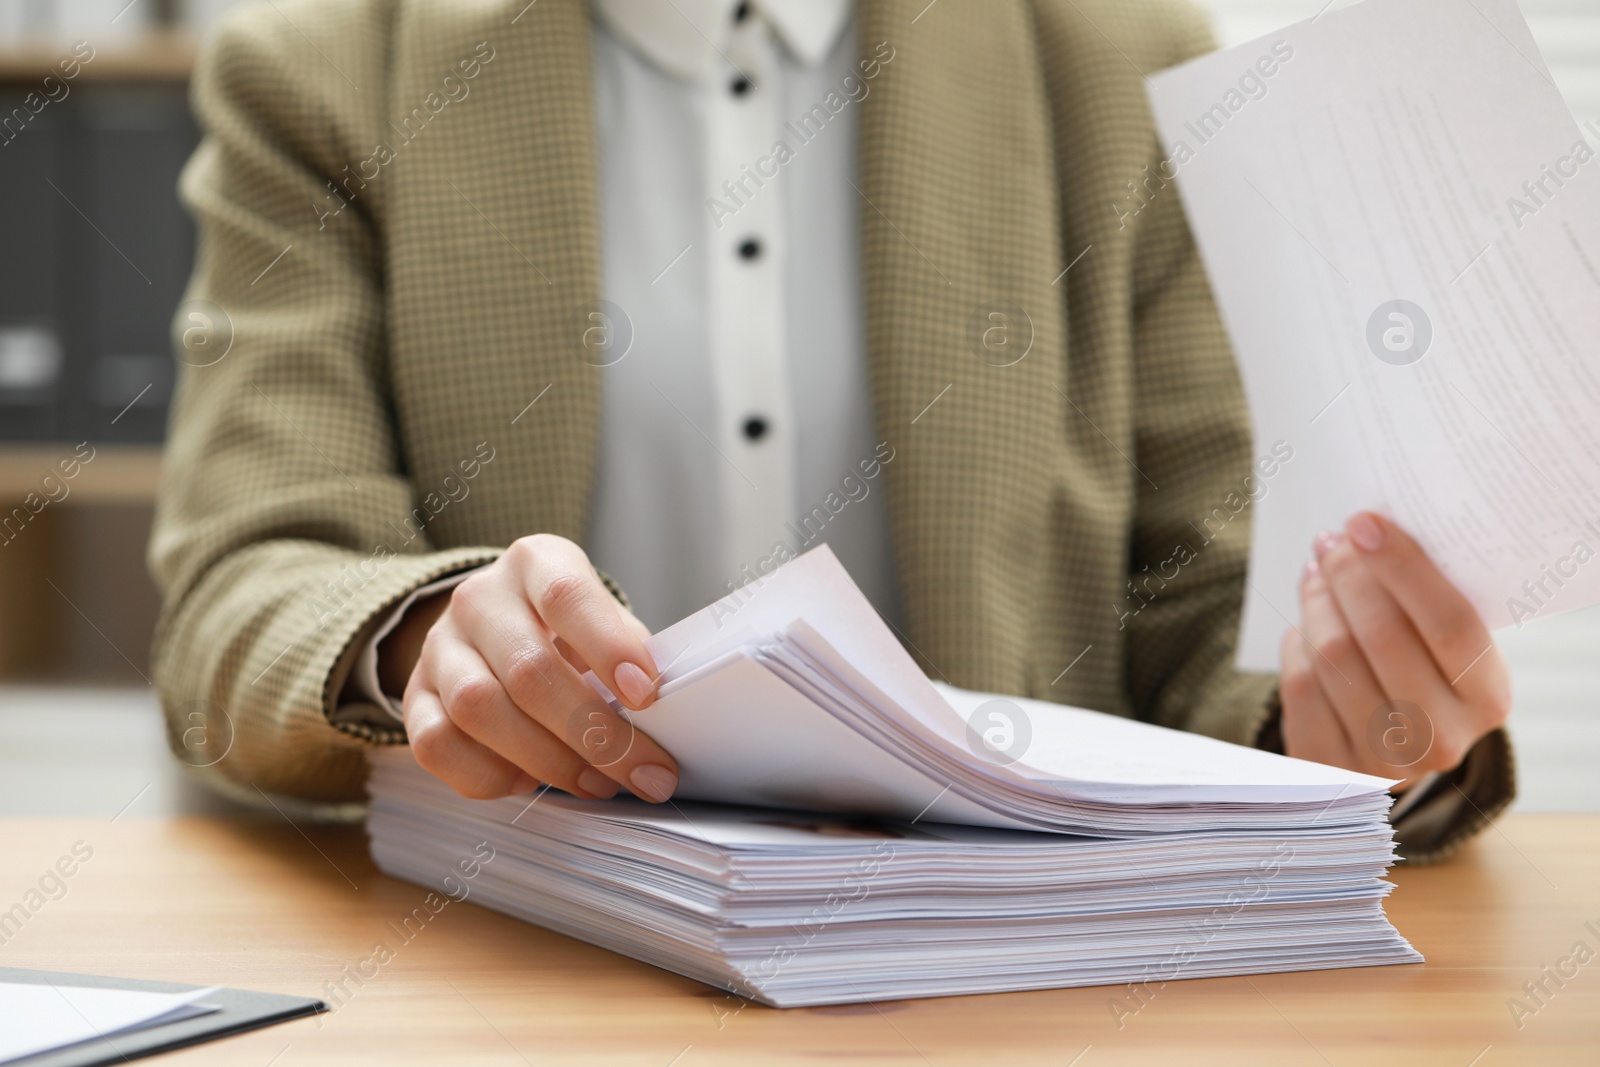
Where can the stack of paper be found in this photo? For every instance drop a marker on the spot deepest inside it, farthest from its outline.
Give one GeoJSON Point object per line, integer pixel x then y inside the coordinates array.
{"type": "Point", "coordinates": [1153, 854]}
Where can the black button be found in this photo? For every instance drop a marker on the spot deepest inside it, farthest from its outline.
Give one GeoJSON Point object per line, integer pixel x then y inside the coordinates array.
{"type": "Point", "coordinates": [741, 12]}
{"type": "Point", "coordinates": [740, 86]}
{"type": "Point", "coordinates": [750, 248]}
{"type": "Point", "coordinates": [755, 428]}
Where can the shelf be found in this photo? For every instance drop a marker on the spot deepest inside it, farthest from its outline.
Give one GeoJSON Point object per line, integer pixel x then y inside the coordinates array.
{"type": "Point", "coordinates": [118, 474]}
{"type": "Point", "coordinates": [163, 56]}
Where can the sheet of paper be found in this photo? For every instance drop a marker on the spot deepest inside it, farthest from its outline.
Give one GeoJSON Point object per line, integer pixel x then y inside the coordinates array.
{"type": "Point", "coordinates": [1077, 745]}
{"type": "Point", "coordinates": [1400, 220]}
{"type": "Point", "coordinates": [889, 743]}
{"type": "Point", "coordinates": [743, 736]}
{"type": "Point", "coordinates": [38, 1018]}
{"type": "Point", "coordinates": [815, 587]}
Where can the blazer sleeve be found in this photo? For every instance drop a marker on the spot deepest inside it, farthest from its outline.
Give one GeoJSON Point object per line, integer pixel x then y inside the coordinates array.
{"type": "Point", "coordinates": [283, 484]}
{"type": "Point", "coordinates": [1443, 811]}
{"type": "Point", "coordinates": [1198, 478]}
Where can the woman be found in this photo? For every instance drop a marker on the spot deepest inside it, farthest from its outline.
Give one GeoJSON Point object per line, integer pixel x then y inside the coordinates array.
{"type": "Point", "coordinates": [654, 279]}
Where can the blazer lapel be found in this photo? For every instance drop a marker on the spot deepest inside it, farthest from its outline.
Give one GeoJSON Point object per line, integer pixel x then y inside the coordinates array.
{"type": "Point", "coordinates": [965, 330]}
{"type": "Point", "coordinates": [494, 259]}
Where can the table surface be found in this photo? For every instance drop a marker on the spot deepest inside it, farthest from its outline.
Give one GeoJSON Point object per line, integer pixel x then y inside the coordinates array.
{"type": "Point", "coordinates": [287, 907]}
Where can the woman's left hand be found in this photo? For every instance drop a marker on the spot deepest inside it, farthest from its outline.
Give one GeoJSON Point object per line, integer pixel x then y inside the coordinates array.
{"type": "Point", "coordinates": [1391, 671]}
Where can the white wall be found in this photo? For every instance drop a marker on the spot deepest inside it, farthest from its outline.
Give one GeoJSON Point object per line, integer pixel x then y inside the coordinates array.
{"type": "Point", "coordinates": [1568, 33]}
{"type": "Point", "coordinates": [1555, 662]}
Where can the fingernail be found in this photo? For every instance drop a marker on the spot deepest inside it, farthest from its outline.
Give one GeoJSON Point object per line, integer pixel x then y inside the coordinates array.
{"type": "Point", "coordinates": [634, 684]}
{"type": "Point", "coordinates": [596, 784]}
{"type": "Point", "coordinates": [1365, 531]}
{"type": "Point", "coordinates": [653, 782]}
{"type": "Point", "coordinates": [1310, 571]}
{"type": "Point", "coordinates": [525, 783]}
{"type": "Point", "coordinates": [1324, 542]}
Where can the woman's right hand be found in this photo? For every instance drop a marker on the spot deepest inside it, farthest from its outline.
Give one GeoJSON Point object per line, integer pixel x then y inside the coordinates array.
{"type": "Point", "coordinates": [495, 702]}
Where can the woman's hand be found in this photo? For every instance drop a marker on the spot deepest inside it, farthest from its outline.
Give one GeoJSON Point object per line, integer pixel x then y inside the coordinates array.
{"type": "Point", "coordinates": [495, 702]}
{"type": "Point", "coordinates": [1391, 671]}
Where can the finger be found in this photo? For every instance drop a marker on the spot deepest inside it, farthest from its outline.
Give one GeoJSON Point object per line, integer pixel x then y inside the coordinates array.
{"type": "Point", "coordinates": [629, 619]}
{"type": "Point", "coordinates": [1446, 621]}
{"type": "Point", "coordinates": [1401, 661]}
{"type": "Point", "coordinates": [499, 623]}
{"type": "Point", "coordinates": [1425, 725]}
{"type": "Point", "coordinates": [640, 630]}
{"type": "Point", "coordinates": [568, 596]}
{"type": "Point", "coordinates": [1347, 681]}
{"type": "Point", "coordinates": [1311, 728]}
{"type": "Point", "coordinates": [570, 654]}
{"type": "Point", "coordinates": [478, 705]}
{"type": "Point", "coordinates": [444, 751]}
{"type": "Point", "coordinates": [581, 665]}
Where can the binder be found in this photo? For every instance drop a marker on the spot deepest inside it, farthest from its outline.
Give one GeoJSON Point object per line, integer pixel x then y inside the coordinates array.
{"type": "Point", "coordinates": [130, 145]}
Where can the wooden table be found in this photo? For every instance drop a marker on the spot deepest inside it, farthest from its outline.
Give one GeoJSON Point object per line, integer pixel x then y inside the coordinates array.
{"type": "Point", "coordinates": [274, 906]}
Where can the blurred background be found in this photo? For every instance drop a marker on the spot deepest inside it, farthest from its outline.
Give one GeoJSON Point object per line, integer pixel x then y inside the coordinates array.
{"type": "Point", "coordinates": [94, 254]}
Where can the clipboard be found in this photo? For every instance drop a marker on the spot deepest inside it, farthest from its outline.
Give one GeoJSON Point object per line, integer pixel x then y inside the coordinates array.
{"type": "Point", "coordinates": [242, 1010]}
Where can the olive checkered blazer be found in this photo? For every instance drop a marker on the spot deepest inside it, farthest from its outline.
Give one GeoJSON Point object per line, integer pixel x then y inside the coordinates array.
{"type": "Point", "coordinates": [371, 350]}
